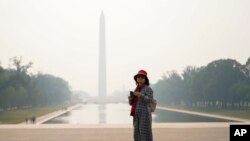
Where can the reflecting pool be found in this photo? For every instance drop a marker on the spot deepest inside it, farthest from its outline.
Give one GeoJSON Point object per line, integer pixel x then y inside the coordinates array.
{"type": "Point", "coordinates": [120, 113]}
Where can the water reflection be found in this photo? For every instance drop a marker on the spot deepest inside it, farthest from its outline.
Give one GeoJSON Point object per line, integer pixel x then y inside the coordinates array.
{"type": "Point", "coordinates": [169, 116]}
{"type": "Point", "coordinates": [102, 113]}
{"type": "Point", "coordinates": [120, 113]}
{"type": "Point", "coordinates": [96, 113]}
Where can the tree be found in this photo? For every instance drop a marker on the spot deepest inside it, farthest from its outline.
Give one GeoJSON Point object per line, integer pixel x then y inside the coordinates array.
{"type": "Point", "coordinates": [17, 63]}
{"type": "Point", "coordinates": [169, 90]}
{"type": "Point", "coordinates": [19, 89]}
{"type": "Point", "coordinates": [218, 84]}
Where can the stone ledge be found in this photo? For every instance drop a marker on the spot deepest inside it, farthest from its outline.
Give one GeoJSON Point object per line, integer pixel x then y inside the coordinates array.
{"type": "Point", "coordinates": [154, 125]}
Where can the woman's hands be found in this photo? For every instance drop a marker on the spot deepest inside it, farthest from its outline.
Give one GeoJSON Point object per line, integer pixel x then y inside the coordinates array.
{"type": "Point", "coordinates": [130, 99]}
{"type": "Point", "coordinates": [138, 94]}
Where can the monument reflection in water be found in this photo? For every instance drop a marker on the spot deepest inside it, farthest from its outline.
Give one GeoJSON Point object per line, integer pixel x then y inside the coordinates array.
{"type": "Point", "coordinates": [120, 113]}
{"type": "Point", "coordinates": [102, 113]}
{"type": "Point", "coordinates": [95, 114]}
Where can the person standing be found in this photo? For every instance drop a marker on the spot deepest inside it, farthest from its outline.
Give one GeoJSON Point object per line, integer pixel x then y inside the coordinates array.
{"type": "Point", "coordinates": [140, 110]}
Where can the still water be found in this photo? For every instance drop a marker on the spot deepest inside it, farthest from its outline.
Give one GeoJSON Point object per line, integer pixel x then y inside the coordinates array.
{"type": "Point", "coordinates": [120, 113]}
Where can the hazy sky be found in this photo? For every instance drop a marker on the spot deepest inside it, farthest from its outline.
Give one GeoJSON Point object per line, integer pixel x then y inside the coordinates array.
{"type": "Point", "coordinates": [61, 37]}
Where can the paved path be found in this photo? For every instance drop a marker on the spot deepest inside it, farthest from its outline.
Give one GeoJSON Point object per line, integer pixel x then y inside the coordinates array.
{"type": "Point", "coordinates": [116, 132]}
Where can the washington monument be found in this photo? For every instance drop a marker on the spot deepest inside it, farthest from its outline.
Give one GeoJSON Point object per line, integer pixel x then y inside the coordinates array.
{"type": "Point", "coordinates": [102, 85]}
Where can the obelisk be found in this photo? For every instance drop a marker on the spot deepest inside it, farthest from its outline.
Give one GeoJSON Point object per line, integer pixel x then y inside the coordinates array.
{"type": "Point", "coordinates": [102, 85]}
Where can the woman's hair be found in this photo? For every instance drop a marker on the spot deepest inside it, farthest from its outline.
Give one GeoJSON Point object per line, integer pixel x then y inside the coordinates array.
{"type": "Point", "coordinates": [146, 81]}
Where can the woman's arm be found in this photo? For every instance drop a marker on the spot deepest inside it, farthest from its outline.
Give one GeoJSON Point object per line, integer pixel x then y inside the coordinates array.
{"type": "Point", "coordinates": [147, 95]}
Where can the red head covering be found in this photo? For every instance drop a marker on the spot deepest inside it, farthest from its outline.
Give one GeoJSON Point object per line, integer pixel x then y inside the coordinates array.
{"type": "Point", "coordinates": [141, 72]}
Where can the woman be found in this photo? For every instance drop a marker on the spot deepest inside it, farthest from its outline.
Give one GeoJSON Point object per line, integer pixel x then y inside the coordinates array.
{"type": "Point", "coordinates": [140, 110]}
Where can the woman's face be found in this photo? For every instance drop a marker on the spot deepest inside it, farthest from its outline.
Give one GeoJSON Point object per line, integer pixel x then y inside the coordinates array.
{"type": "Point", "coordinates": [140, 79]}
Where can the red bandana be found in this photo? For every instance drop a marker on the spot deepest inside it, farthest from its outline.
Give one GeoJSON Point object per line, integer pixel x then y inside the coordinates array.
{"type": "Point", "coordinates": [138, 89]}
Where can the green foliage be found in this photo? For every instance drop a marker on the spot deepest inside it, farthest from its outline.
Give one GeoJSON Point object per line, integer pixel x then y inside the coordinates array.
{"type": "Point", "coordinates": [222, 83]}
{"type": "Point", "coordinates": [19, 89]}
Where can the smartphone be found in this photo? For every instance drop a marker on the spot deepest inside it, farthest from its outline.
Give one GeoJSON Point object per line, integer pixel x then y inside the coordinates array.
{"type": "Point", "coordinates": [132, 94]}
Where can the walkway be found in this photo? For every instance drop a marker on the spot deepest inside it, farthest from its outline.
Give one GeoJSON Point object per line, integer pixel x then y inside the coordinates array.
{"type": "Point", "coordinates": [108, 132]}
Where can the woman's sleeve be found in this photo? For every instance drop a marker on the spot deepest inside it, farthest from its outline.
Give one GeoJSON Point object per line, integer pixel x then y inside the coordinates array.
{"type": "Point", "coordinates": [147, 95]}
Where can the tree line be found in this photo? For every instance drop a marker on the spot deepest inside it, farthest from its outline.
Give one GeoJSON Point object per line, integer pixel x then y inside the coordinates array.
{"type": "Point", "coordinates": [221, 84]}
{"type": "Point", "coordinates": [19, 89]}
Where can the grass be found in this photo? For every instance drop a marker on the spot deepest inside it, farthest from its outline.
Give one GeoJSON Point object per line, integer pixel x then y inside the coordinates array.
{"type": "Point", "coordinates": [245, 114]}
{"type": "Point", "coordinates": [18, 116]}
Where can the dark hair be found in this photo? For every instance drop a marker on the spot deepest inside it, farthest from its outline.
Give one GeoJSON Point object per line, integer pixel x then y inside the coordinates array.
{"type": "Point", "coordinates": [146, 81]}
